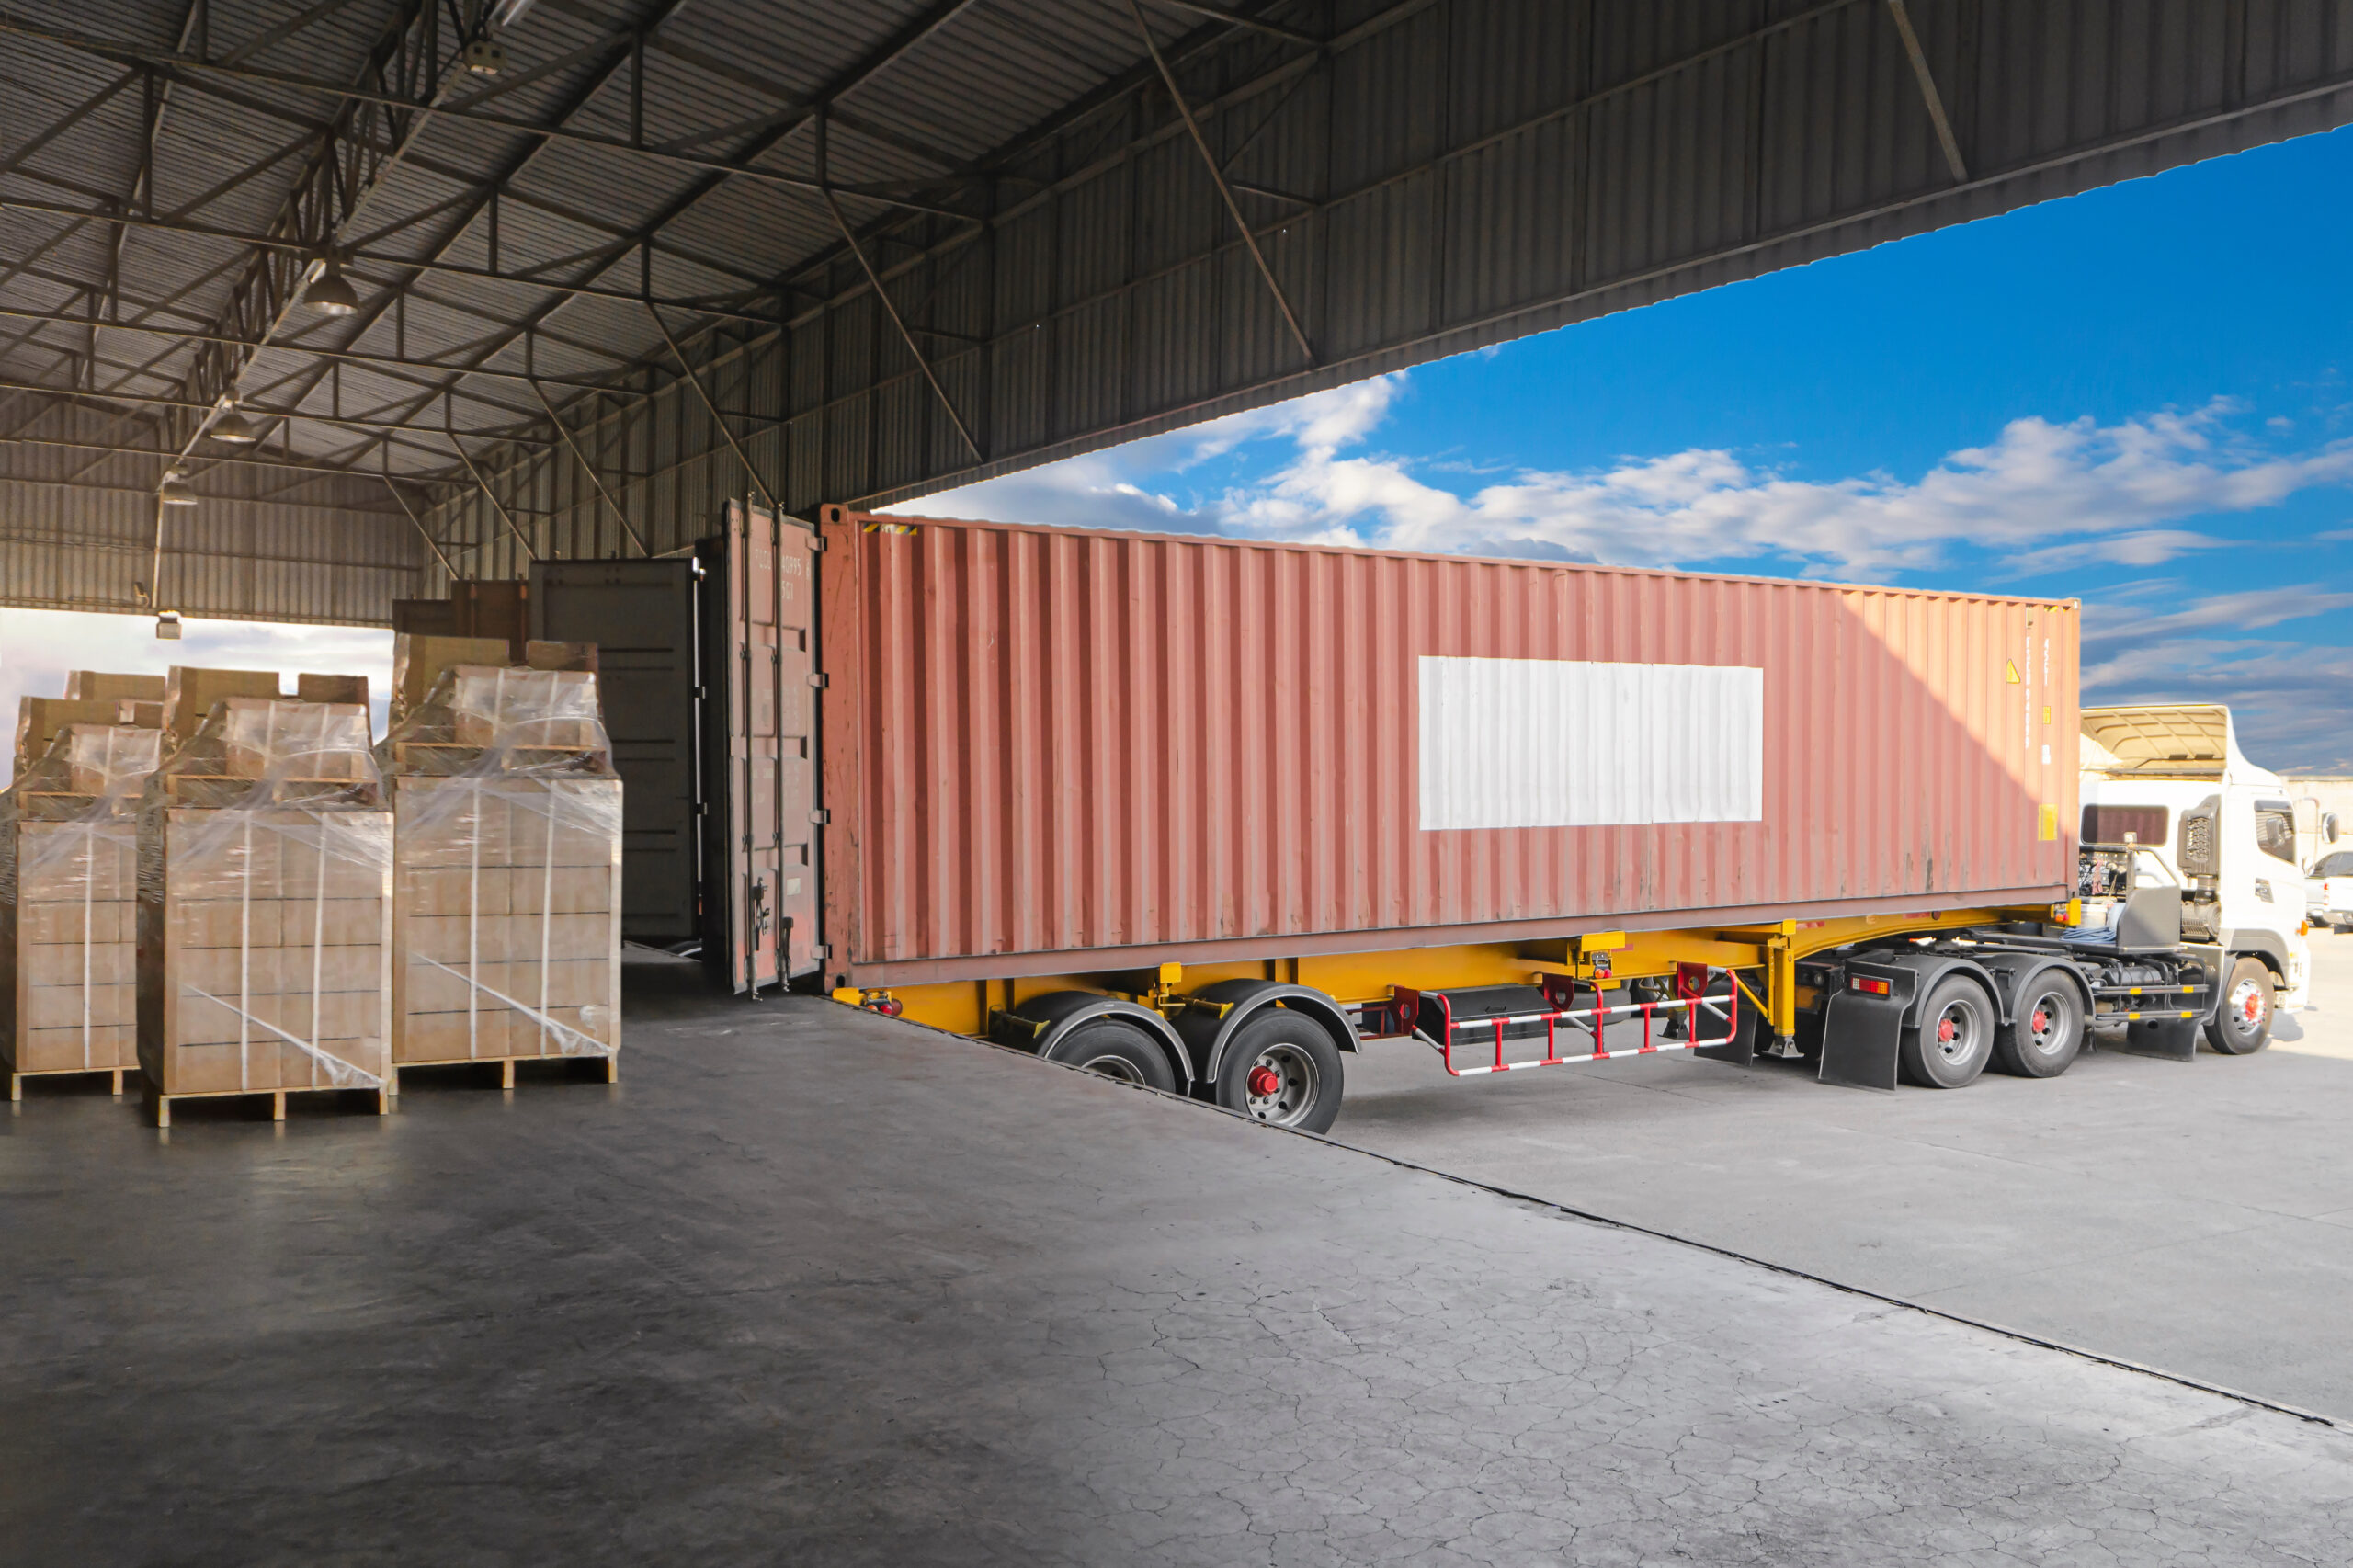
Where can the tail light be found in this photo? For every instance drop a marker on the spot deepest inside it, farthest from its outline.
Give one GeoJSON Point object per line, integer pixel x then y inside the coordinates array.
{"type": "Point", "coordinates": [1871, 985]}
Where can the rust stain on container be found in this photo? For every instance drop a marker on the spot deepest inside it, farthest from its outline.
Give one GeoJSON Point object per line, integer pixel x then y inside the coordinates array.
{"type": "Point", "coordinates": [1047, 742]}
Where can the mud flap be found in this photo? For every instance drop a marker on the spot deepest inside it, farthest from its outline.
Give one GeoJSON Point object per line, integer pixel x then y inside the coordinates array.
{"type": "Point", "coordinates": [2176, 1039]}
{"type": "Point", "coordinates": [1861, 1034]}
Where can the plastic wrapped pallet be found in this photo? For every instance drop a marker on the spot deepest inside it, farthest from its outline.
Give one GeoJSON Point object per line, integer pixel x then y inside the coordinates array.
{"type": "Point", "coordinates": [40, 720]}
{"type": "Point", "coordinates": [69, 857]}
{"type": "Point", "coordinates": [506, 871]}
{"type": "Point", "coordinates": [419, 660]}
{"type": "Point", "coordinates": [265, 907]}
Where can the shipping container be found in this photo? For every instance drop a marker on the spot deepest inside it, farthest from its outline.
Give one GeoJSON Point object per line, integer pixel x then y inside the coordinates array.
{"type": "Point", "coordinates": [644, 618]}
{"type": "Point", "coordinates": [759, 809]}
{"type": "Point", "coordinates": [1205, 813]}
{"type": "Point", "coordinates": [1049, 749]}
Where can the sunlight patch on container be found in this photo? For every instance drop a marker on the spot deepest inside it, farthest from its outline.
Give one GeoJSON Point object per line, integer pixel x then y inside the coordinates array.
{"type": "Point", "coordinates": [1565, 743]}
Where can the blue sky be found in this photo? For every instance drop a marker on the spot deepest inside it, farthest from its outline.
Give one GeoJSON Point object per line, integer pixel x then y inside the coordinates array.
{"type": "Point", "coordinates": [2137, 397]}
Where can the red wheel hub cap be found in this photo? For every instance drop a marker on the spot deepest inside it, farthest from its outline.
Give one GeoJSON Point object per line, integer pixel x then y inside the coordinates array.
{"type": "Point", "coordinates": [2042, 1022]}
{"type": "Point", "coordinates": [1945, 1030]}
{"type": "Point", "coordinates": [2252, 1008]}
{"type": "Point", "coordinates": [1265, 1081]}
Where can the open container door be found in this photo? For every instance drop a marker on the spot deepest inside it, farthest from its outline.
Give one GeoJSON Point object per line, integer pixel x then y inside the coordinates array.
{"type": "Point", "coordinates": [644, 617]}
{"type": "Point", "coordinates": [763, 848]}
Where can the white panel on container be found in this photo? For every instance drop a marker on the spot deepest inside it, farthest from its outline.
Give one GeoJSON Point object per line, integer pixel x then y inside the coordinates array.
{"type": "Point", "coordinates": [1563, 743]}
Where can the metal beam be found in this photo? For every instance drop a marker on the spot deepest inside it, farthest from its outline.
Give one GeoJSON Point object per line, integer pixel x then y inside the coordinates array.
{"type": "Point", "coordinates": [192, 72]}
{"type": "Point", "coordinates": [1928, 94]}
{"type": "Point", "coordinates": [150, 400]}
{"type": "Point", "coordinates": [430, 542]}
{"type": "Point", "coordinates": [324, 471]}
{"type": "Point", "coordinates": [718, 418]}
{"type": "Point", "coordinates": [341, 355]}
{"type": "Point", "coordinates": [883, 297]}
{"type": "Point", "coordinates": [491, 496]}
{"type": "Point", "coordinates": [295, 245]}
{"type": "Point", "coordinates": [590, 470]}
{"type": "Point", "coordinates": [1234, 19]}
{"type": "Point", "coordinates": [1225, 191]}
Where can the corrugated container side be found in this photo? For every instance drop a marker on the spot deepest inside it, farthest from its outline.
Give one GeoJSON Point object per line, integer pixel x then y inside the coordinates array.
{"type": "Point", "coordinates": [1043, 741]}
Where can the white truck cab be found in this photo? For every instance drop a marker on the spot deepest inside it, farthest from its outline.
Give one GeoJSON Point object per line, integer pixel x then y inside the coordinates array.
{"type": "Point", "coordinates": [2169, 780]}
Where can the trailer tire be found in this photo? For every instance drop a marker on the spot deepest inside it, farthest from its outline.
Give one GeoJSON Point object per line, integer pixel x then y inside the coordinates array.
{"type": "Point", "coordinates": [1954, 1039]}
{"type": "Point", "coordinates": [2241, 1021]}
{"type": "Point", "coordinates": [1283, 1070]}
{"type": "Point", "coordinates": [1118, 1051]}
{"type": "Point", "coordinates": [2047, 1030]}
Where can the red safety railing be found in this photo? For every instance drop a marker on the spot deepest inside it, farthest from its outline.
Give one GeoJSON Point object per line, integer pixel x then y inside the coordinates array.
{"type": "Point", "coordinates": [1593, 1021]}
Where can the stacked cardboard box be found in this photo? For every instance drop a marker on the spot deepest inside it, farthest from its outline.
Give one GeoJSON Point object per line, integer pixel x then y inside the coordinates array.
{"type": "Point", "coordinates": [68, 875]}
{"type": "Point", "coordinates": [507, 871]}
{"type": "Point", "coordinates": [418, 661]}
{"type": "Point", "coordinates": [264, 908]}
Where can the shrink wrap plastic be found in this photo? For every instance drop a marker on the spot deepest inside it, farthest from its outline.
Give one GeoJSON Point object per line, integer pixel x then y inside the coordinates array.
{"type": "Point", "coordinates": [264, 867]}
{"type": "Point", "coordinates": [69, 844]}
{"type": "Point", "coordinates": [508, 824]}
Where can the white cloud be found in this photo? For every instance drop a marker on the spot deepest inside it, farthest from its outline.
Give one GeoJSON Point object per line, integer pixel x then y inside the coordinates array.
{"type": "Point", "coordinates": [39, 647]}
{"type": "Point", "coordinates": [2045, 496]}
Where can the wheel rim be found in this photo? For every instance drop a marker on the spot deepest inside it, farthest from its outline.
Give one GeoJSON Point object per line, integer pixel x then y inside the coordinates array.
{"type": "Point", "coordinates": [2246, 1007]}
{"type": "Point", "coordinates": [1280, 1087]}
{"type": "Point", "coordinates": [1956, 1032]}
{"type": "Point", "coordinates": [2047, 1022]}
{"type": "Point", "coordinates": [1117, 1067]}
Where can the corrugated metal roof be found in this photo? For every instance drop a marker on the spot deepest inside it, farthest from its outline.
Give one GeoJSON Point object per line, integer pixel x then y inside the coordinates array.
{"type": "Point", "coordinates": [1438, 174]}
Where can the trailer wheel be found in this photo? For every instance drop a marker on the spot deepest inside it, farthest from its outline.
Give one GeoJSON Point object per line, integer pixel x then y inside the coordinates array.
{"type": "Point", "coordinates": [1283, 1070]}
{"type": "Point", "coordinates": [1115, 1049]}
{"type": "Point", "coordinates": [2243, 1023]}
{"type": "Point", "coordinates": [2047, 1031]}
{"type": "Point", "coordinates": [1954, 1039]}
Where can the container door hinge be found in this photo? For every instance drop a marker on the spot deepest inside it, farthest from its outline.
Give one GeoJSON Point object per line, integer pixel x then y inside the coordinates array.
{"type": "Point", "coordinates": [818, 679]}
{"type": "Point", "coordinates": [816, 544]}
{"type": "Point", "coordinates": [820, 817]}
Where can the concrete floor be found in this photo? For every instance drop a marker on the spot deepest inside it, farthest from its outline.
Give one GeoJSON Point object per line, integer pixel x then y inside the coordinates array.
{"type": "Point", "coordinates": [810, 1286]}
{"type": "Point", "coordinates": [2193, 1216]}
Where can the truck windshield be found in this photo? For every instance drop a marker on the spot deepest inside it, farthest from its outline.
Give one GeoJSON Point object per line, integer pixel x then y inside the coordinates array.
{"type": "Point", "coordinates": [2338, 865]}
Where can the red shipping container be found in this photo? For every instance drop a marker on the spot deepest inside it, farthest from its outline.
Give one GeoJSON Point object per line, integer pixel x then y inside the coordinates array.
{"type": "Point", "coordinates": [1056, 751]}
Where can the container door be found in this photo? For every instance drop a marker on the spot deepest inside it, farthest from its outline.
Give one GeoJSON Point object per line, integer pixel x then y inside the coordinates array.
{"type": "Point", "coordinates": [642, 616]}
{"type": "Point", "coordinates": [768, 841]}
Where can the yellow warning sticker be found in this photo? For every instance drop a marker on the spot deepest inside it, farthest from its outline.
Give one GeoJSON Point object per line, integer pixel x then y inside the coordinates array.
{"type": "Point", "coordinates": [2046, 715]}
{"type": "Point", "coordinates": [2046, 824]}
{"type": "Point", "coordinates": [2012, 664]}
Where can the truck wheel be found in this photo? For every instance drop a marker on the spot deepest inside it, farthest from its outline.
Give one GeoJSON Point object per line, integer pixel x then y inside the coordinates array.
{"type": "Point", "coordinates": [2047, 1031]}
{"type": "Point", "coordinates": [1281, 1069]}
{"type": "Point", "coordinates": [2243, 1023]}
{"type": "Point", "coordinates": [1118, 1051]}
{"type": "Point", "coordinates": [1955, 1038]}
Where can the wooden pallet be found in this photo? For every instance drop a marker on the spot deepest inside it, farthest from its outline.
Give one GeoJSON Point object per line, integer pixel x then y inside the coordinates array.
{"type": "Point", "coordinates": [17, 1079]}
{"type": "Point", "coordinates": [505, 1066]}
{"type": "Point", "coordinates": [163, 1102]}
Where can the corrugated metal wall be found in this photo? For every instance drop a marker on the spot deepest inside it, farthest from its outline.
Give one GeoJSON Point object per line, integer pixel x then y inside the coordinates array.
{"type": "Point", "coordinates": [1040, 739]}
{"type": "Point", "coordinates": [77, 531]}
{"type": "Point", "coordinates": [1449, 173]}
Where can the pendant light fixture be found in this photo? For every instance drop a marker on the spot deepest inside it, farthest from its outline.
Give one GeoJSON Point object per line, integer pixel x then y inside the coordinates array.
{"type": "Point", "coordinates": [330, 293]}
{"type": "Point", "coordinates": [173, 491]}
{"type": "Point", "coordinates": [234, 428]}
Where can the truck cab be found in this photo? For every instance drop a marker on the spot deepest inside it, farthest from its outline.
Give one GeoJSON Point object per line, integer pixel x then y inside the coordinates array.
{"type": "Point", "coordinates": [2167, 792]}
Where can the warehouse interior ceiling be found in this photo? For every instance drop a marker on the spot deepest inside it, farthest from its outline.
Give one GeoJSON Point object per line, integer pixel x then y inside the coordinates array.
{"type": "Point", "coordinates": [309, 304]}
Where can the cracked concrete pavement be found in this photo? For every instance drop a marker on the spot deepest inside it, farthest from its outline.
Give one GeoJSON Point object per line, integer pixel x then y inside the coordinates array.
{"type": "Point", "coordinates": [810, 1286]}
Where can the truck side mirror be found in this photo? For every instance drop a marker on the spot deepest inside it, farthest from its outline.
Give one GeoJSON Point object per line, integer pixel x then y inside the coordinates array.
{"type": "Point", "coordinates": [2328, 828]}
